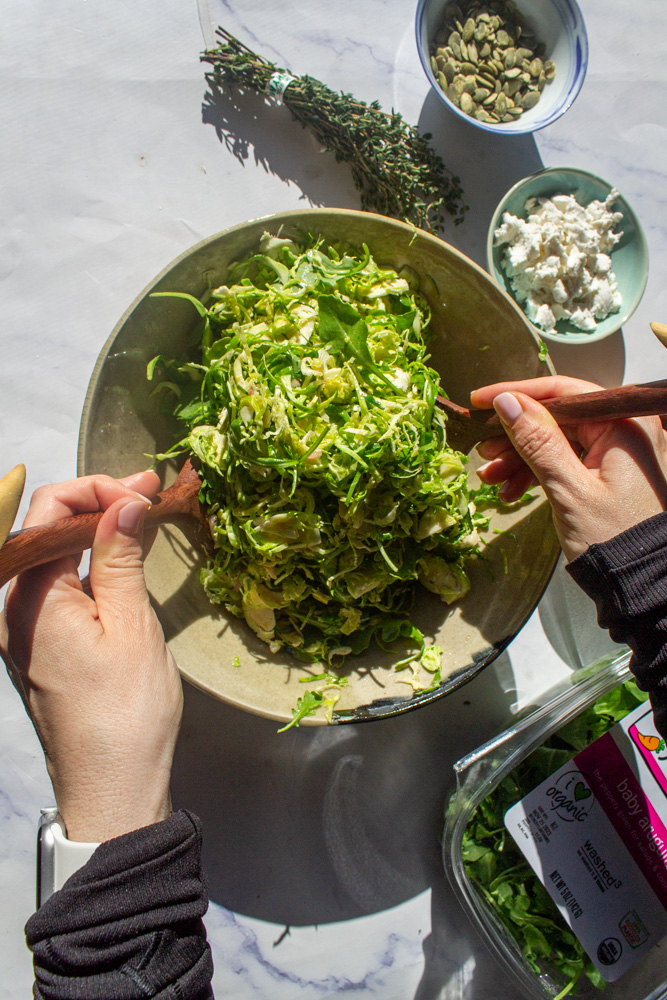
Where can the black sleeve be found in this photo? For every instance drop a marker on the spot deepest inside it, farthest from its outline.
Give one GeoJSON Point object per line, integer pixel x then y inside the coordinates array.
{"type": "Point", "coordinates": [128, 923]}
{"type": "Point", "coordinates": [627, 579]}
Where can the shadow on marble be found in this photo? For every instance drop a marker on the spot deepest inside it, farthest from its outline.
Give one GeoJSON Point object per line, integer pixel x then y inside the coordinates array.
{"type": "Point", "coordinates": [325, 824]}
{"type": "Point", "coordinates": [602, 362]}
{"type": "Point", "coordinates": [254, 130]}
{"type": "Point", "coordinates": [487, 164]}
{"type": "Point", "coordinates": [457, 963]}
{"type": "Point", "coordinates": [569, 620]}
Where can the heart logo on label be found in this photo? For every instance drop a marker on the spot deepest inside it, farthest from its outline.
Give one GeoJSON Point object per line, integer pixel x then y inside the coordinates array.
{"type": "Point", "coordinates": [581, 792]}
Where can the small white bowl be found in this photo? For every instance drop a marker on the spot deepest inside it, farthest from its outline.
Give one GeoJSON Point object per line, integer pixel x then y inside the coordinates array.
{"type": "Point", "coordinates": [558, 23]}
{"type": "Point", "coordinates": [629, 258]}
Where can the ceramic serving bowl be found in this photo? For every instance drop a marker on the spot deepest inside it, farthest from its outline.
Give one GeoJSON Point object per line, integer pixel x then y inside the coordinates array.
{"type": "Point", "coordinates": [480, 336]}
{"type": "Point", "coordinates": [629, 258]}
{"type": "Point", "coordinates": [557, 23]}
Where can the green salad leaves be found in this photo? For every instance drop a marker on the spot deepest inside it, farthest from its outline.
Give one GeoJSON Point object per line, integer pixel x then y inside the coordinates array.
{"type": "Point", "coordinates": [497, 867]}
{"type": "Point", "coordinates": [325, 465]}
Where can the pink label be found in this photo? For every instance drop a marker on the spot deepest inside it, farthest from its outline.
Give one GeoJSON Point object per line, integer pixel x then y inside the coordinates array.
{"type": "Point", "coordinates": [651, 746]}
{"type": "Point", "coordinates": [635, 820]}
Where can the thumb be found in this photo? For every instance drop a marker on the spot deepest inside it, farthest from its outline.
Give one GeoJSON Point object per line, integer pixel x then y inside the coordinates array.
{"type": "Point", "coordinates": [540, 442]}
{"type": "Point", "coordinates": [116, 562]}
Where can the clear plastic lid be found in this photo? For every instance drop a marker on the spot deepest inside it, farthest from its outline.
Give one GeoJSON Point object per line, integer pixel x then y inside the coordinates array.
{"type": "Point", "coordinates": [477, 776]}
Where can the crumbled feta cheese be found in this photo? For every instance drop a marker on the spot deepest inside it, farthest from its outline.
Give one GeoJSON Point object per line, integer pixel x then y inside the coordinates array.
{"type": "Point", "coordinates": [558, 260]}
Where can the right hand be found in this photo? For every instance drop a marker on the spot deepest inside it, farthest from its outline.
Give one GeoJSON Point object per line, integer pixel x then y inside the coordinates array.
{"type": "Point", "coordinates": [601, 478]}
{"type": "Point", "coordinates": [92, 667]}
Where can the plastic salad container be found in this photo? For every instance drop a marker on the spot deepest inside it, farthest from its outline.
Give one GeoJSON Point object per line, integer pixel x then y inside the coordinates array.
{"type": "Point", "coordinates": [578, 787]}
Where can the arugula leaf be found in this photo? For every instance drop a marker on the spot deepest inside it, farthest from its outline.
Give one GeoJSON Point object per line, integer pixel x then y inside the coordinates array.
{"type": "Point", "coordinates": [544, 353]}
{"type": "Point", "coordinates": [307, 705]}
{"type": "Point", "coordinates": [485, 496]}
{"type": "Point", "coordinates": [199, 306]}
{"type": "Point", "coordinates": [345, 330]}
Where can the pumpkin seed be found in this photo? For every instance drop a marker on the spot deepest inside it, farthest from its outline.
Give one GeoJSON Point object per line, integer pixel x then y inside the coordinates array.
{"type": "Point", "coordinates": [529, 100]}
{"type": "Point", "coordinates": [482, 66]}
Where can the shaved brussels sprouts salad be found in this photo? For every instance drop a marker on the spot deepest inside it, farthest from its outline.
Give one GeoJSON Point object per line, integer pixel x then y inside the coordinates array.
{"type": "Point", "coordinates": [330, 486]}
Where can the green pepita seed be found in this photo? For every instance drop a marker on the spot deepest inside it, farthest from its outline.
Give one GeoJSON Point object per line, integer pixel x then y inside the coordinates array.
{"type": "Point", "coordinates": [468, 30]}
{"type": "Point", "coordinates": [481, 65]}
{"type": "Point", "coordinates": [529, 100]}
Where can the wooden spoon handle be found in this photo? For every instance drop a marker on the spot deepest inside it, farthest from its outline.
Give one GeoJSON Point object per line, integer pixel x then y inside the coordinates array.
{"type": "Point", "coordinates": [643, 400]}
{"type": "Point", "coordinates": [71, 535]}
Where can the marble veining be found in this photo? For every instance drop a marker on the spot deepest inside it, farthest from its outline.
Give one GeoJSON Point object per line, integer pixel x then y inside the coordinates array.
{"type": "Point", "coordinates": [322, 847]}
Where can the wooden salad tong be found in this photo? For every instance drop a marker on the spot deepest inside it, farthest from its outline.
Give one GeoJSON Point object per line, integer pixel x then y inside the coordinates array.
{"type": "Point", "coordinates": [179, 503]}
{"type": "Point", "coordinates": [643, 400]}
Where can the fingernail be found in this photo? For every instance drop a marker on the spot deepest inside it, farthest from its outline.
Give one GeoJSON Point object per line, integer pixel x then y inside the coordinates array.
{"type": "Point", "coordinates": [130, 516]}
{"type": "Point", "coordinates": [149, 502]}
{"type": "Point", "coordinates": [508, 407]}
{"type": "Point", "coordinates": [482, 468]}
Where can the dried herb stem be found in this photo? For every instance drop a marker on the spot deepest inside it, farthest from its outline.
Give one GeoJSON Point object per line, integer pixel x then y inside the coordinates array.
{"type": "Point", "coordinates": [394, 168]}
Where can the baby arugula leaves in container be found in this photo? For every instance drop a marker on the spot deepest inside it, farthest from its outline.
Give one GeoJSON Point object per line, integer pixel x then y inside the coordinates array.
{"type": "Point", "coordinates": [496, 866]}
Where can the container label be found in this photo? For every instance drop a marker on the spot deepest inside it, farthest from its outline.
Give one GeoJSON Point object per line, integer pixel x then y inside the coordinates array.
{"type": "Point", "coordinates": [595, 833]}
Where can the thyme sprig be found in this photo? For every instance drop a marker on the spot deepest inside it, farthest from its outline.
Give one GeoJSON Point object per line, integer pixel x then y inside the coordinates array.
{"type": "Point", "coordinates": [394, 168]}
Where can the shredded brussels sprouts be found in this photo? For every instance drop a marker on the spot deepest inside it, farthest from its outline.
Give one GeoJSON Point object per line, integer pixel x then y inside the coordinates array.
{"type": "Point", "coordinates": [330, 486]}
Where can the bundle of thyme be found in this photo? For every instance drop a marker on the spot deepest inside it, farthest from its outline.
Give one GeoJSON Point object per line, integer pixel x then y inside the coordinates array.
{"type": "Point", "coordinates": [393, 166]}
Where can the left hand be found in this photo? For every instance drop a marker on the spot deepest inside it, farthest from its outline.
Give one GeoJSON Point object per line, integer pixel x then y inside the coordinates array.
{"type": "Point", "coordinates": [95, 675]}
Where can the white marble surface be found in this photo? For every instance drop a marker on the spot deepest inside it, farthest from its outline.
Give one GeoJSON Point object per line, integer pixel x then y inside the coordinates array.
{"type": "Point", "coordinates": [110, 167]}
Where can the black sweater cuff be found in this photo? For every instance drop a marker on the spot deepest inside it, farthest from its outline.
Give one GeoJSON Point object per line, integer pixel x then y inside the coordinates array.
{"type": "Point", "coordinates": [627, 579]}
{"type": "Point", "coordinates": [128, 923]}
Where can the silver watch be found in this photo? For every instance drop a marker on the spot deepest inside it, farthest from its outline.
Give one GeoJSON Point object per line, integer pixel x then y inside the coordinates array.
{"type": "Point", "coordinates": [57, 857]}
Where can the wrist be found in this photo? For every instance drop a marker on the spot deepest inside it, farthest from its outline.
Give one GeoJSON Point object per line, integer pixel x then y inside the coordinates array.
{"type": "Point", "coordinates": [99, 800]}
{"type": "Point", "coordinates": [97, 822]}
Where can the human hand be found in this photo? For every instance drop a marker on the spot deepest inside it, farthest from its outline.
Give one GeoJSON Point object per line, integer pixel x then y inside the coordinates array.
{"type": "Point", "coordinates": [601, 478]}
{"type": "Point", "coordinates": [92, 667]}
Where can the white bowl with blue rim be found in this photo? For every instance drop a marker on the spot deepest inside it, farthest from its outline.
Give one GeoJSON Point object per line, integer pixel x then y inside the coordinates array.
{"type": "Point", "coordinates": [629, 258]}
{"type": "Point", "coordinates": [557, 23]}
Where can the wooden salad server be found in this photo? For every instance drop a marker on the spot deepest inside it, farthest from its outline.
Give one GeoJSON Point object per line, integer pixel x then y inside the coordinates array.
{"type": "Point", "coordinates": [179, 503]}
{"type": "Point", "coordinates": [660, 331]}
{"type": "Point", "coordinates": [11, 491]}
{"type": "Point", "coordinates": [643, 400]}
